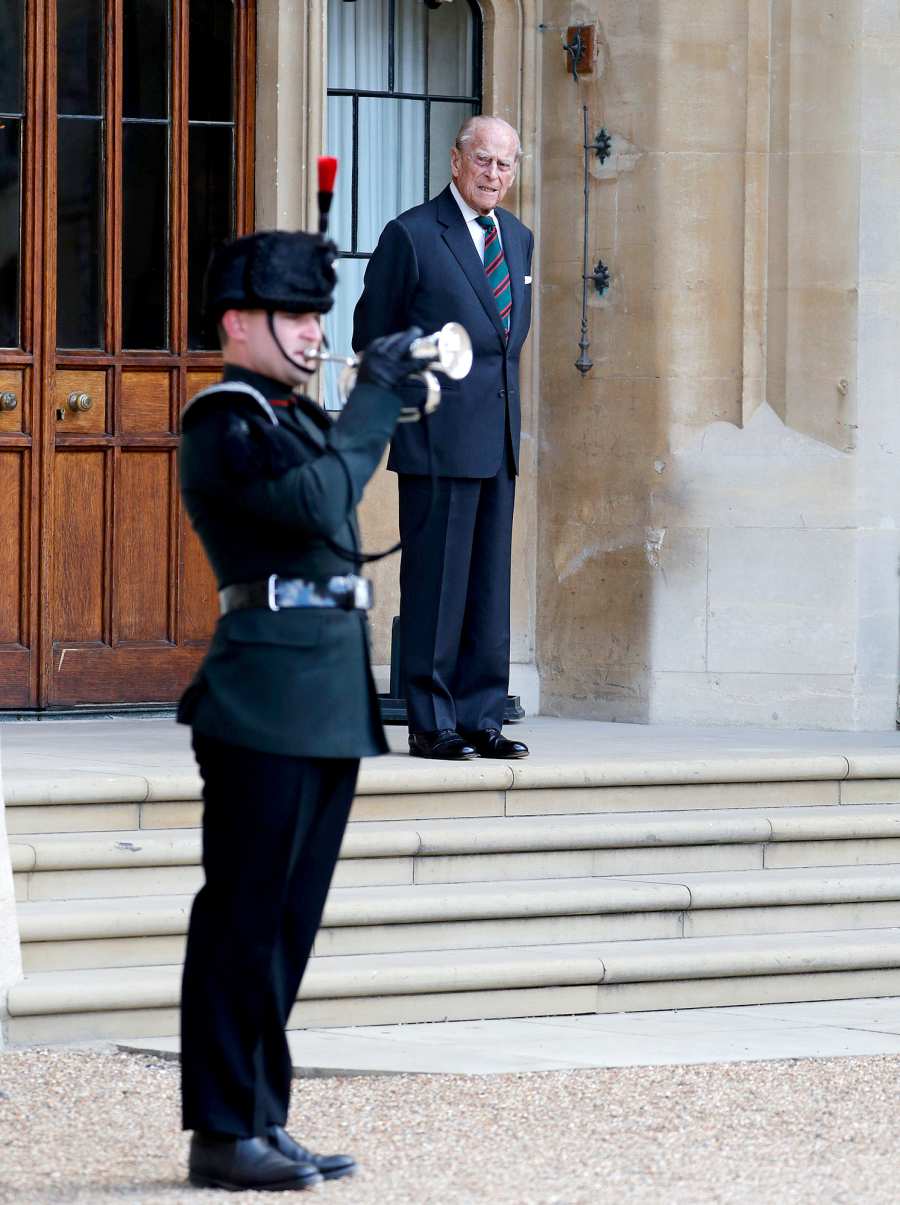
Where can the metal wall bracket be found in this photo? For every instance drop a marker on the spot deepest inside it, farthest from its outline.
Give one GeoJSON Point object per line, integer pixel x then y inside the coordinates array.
{"type": "Point", "coordinates": [600, 276]}
{"type": "Point", "coordinates": [602, 144]}
{"type": "Point", "coordinates": [579, 48]}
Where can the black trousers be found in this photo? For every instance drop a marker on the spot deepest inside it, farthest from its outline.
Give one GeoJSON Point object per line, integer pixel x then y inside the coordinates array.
{"type": "Point", "coordinates": [454, 599]}
{"type": "Point", "coordinates": [272, 829]}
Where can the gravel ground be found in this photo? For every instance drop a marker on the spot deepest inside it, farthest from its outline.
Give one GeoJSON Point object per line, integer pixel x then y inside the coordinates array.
{"type": "Point", "coordinates": [95, 1126]}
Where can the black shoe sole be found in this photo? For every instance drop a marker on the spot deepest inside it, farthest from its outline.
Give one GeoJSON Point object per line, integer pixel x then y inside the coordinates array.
{"type": "Point", "coordinates": [294, 1185]}
{"type": "Point", "coordinates": [340, 1173]}
{"type": "Point", "coordinates": [439, 757]}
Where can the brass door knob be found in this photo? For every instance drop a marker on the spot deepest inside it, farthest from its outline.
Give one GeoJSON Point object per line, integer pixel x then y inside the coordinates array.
{"type": "Point", "coordinates": [80, 401]}
{"type": "Point", "coordinates": [8, 400]}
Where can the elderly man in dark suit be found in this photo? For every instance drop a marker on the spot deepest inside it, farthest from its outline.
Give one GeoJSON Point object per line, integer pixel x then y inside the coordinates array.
{"type": "Point", "coordinates": [458, 258]}
{"type": "Point", "coordinates": [284, 705]}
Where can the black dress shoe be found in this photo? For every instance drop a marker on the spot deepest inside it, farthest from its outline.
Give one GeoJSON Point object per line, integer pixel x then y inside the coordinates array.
{"type": "Point", "coordinates": [239, 1164]}
{"type": "Point", "coordinates": [490, 742]}
{"type": "Point", "coordinates": [446, 745]}
{"type": "Point", "coordinates": [330, 1167]}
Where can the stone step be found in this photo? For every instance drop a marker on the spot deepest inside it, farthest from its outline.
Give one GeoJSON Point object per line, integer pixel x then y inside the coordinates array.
{"type": "Point", "coordinates": [538, 980]}
{"type": "Point", "coordinates": [700, 777]}
{"type": "Point", "coordinates": [149, 931]}
{"type": "Point", "coordinates": [96, 865]}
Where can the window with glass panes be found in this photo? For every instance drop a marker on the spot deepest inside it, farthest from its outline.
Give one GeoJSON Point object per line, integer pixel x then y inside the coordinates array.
{"type": "Point", "coordinates": [149, 163]}
{"type": "Point", "coordinates": [402, 78]}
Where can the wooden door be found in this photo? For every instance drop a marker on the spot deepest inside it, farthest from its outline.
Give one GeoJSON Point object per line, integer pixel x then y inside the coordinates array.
{"type": "Point", "coordinates": [125, 154]}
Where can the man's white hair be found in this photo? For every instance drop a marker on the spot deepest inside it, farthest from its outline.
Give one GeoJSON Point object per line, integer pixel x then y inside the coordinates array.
{"type": "Point", "coordinates": [469, 129]}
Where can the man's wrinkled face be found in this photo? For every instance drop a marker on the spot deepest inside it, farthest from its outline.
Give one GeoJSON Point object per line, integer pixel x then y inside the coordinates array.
{"type": "Point", "coordinates": [486, 168]}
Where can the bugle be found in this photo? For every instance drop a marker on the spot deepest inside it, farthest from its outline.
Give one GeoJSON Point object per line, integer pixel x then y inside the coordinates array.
{"type": "Point", "coordinates": [448, 350]}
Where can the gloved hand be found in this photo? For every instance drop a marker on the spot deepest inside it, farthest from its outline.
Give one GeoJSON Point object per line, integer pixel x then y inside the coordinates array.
{"type": "Point", "coordinates": [386, 361]}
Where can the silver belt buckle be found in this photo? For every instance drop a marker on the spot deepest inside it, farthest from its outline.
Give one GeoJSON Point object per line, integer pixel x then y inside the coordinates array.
{"type": "Point", "coordinates": [355, 587]}
{"type": "Point", "coordinates": [362, 594]}
{"type": "Point", "coordinates": [272, 601]}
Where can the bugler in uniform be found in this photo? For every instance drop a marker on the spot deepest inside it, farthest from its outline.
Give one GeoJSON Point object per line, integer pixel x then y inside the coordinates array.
{"type": "Point", "coordinates": [284, 704]}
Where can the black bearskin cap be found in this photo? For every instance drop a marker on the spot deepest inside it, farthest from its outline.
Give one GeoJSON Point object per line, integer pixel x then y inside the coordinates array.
{"type": "Point", "coordinates": [271, 270]}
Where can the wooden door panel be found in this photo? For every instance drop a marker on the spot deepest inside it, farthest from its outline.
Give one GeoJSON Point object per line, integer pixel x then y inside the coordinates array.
{"type": "Point", "coordinates": [14, 474]}
{"type": "Point", "coordinates": [197, 588]}
{"type": "Point", "coordinates": [200, 380]}
{"type": "Point", "coordinates": [105, 594]}
{"type": "Point", "coordinates": [12, 408]}
{"type": "Point", "coordinates": [142, 557]}
{"type": "Point", "coordinates": [16, 544]}
{"type": "Point", "coordinates": [79, 542]}
{"type": "Point", "coordinates": [18, 660]}
{"type": "Point", "coordinates": [16, 677]}
{"type": "Point", "coordinates": [145, 402]}
{"type": "Point", "coordinates": [133, 673]}
{"type": "Point", "coordinates": [75, 384]}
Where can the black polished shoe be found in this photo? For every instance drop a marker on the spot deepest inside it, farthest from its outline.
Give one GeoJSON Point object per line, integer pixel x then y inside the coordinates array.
{"type": "Point", "coordinates": [446, 745]}
{"type": "Point", "coordinates": [240, 1164]}
{"type": "Point", "coordinates": [490, 742]}
{"type": "Point", "coordinates": [330, 1167]}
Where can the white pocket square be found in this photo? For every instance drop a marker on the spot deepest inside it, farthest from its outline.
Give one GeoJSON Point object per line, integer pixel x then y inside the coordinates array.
{"type": "Point", "coordinates": [528, 280]}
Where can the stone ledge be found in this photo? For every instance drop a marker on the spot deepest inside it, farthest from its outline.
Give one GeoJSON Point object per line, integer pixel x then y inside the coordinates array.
{"type": "Point", "coordinates": [142, 760]}
{"type": "Point", "coordinates": [374, 975]}
{"type": "Point", "coordinates": [411, 776]}
{"type": "Point", "coordinates": [74, 920]}
{"type": "Point", "coordinates": [484, 835]}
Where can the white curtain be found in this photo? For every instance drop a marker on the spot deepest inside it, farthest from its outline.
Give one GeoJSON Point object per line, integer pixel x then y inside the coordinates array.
{"type": "Point", "coordinates": [391, 132]}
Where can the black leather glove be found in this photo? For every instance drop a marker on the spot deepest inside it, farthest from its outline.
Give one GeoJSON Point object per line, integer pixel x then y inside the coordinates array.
{"type": "Point", "coordinates": [386, 361]}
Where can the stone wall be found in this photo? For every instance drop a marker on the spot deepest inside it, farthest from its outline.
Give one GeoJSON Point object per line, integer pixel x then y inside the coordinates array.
{"type": "Point", "coordinates": [717, 499]}
{"type": "Point", "coordinates": [707, 524]}
{"type": "Point", "coordinates": [878, 372]}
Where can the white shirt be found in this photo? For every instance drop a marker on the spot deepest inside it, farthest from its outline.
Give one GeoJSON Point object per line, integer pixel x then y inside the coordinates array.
{"type": "Point", "coordinates": [470, 216]}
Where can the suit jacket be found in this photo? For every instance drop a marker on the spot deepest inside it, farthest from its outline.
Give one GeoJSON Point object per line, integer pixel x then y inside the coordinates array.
{"type": "Point", "coordinates": [265, 479]}
{"type": "Point", "coordinates": [426, 271]}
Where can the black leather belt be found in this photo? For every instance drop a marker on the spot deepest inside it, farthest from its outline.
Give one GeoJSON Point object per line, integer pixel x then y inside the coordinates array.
{"type": "Point", "coordinates": [349, 593]}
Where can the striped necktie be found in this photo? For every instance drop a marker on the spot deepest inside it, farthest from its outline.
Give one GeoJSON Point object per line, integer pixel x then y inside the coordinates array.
{"type": "Point", "coordinates": [496, 270]}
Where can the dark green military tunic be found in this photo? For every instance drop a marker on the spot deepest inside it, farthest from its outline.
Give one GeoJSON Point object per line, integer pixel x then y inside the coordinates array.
{"type": "Point", "coordinates": [265, 484]}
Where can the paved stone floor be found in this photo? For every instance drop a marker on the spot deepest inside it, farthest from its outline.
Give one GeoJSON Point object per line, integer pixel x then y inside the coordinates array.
{"type": "Point", "coordinates": [124, 747]}
{"type": "Point", "coordinates": [822, 1029]}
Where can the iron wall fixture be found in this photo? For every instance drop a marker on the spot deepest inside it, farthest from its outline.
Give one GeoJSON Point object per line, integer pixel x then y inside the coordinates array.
{"type": "Point", "coordinates": [574, 48]}
{"type": "Point", "coordinates": [602, 144]}
{"type": "Point", "coordinates": [579, 48]}
{"type": "Point", "coordinates": [602, 148]}
{"type": "Point", "coordinates": [600, 277]}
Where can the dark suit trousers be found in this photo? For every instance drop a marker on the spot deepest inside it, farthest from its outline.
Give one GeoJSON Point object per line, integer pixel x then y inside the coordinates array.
{"type": "Point", "coordinates": [454, 599]}
{"type": "Point", "coordinates": [272, 828]}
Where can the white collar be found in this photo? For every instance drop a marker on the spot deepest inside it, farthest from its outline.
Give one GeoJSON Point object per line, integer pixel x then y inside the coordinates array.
{"type": "Point", "coordinates": [466, 209]}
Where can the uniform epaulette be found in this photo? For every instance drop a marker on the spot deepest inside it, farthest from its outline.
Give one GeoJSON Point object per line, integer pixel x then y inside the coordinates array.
{"type": "Point", "coordinates": [231, 395]}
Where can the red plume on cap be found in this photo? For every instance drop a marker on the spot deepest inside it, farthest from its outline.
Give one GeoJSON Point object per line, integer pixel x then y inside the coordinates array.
{"type": "Point", "coordinates": [328, 166]}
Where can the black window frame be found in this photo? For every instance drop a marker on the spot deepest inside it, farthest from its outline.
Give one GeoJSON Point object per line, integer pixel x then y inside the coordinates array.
{"type": "Point", "coordinates": [475, 98]}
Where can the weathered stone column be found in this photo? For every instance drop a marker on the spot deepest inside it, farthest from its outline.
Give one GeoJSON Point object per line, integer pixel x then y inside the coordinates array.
{"type": "Point", "coordinates": [878, 376]}
{"type": "Point", "coordinates": [720, 503]}
{"type": "Point", "coordinates": [10, 951]}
